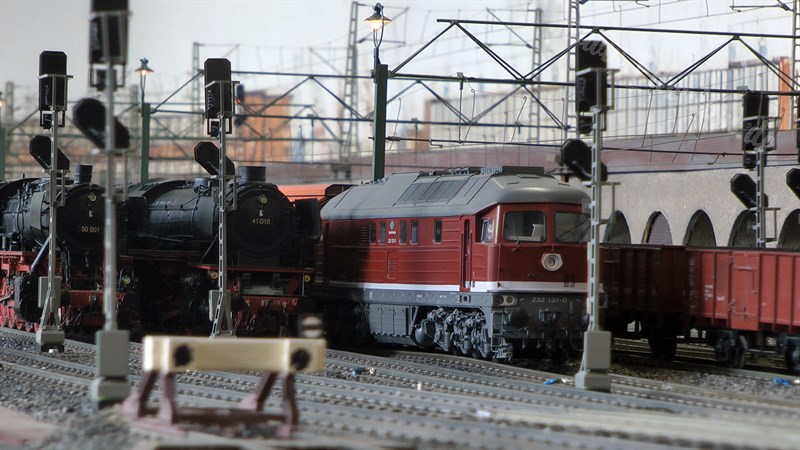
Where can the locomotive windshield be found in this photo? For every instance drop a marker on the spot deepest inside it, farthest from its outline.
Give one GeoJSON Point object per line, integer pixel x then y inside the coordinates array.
{"type": "Point", "coordinates": [572, 227]}
{"type": "Point", "coordinates": [524, 226]}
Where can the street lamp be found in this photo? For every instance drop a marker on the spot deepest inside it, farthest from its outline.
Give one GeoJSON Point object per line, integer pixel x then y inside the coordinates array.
{"type": "Point", "coordinates": [380, 75]}
{"type": "Point", "coordinates": [143, 70]}
{"type": "Point", "coordinates": [377, 21]}
{"type": "Point", "coordinates": [144, 161]}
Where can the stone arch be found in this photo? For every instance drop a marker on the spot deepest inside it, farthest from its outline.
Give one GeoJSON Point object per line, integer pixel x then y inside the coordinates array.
{"type": "Point", "coordinates": [657, 231]}
{"type": "Point", "coordinates": [743, 234]}
{"type": "Point", "coordinates": [790, 231]}
{"type": "Point", "coordinates": [700, 231]}
{"type": "Point", "coordinates": [617, 231]}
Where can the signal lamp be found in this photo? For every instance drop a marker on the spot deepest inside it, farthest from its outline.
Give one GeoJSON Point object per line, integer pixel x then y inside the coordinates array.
{"type": "Point", "coordinates": [577, 157]}
{"type": "Point", "coordinates": [52, 87]}
{"type": "Point", "coordinates": [219, 95]}
{"type": "Point", "coordinates": [590, 55]}
{"type": "Point", "coordinates": [744, 188]}
{"type": "Point", "coordinates": [90, 117]}
{"type": "Point", "coordinates": [207, 155]}
{"type": "Point", "coordinates": [109, 20]}
{"type": "Point", "coordinates": [793, 181]}
{"type": "Point", "coordinates": [40, 148]}
{"type": "Point", "coordinates": [755, 106]}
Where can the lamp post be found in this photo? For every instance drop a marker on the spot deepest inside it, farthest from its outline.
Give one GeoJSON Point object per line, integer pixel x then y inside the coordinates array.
{"type": "Point", "coordinates": [143, 70]}
{"type": "Point", "coordinates": [380, 75]}
{"type": "Point", "coordinates": [144, 160]}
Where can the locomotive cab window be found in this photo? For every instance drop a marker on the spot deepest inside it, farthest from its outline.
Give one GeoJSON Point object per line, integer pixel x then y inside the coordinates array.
{"type": "Point", "coordinates": [524, 226]}
{"type": "Point", "coordinates": [571, 227]}
{"type": "Point", "coordinates": [487, 230]}
{"type": "Point", "coordinates": [403, 232]}
{"type": "Point", "coordinates": [372, 233]}
{"type": "Point", "coordinates": [382, 233]}
{"type": "Point", "coordinates": [414, 232]}
{"type": "Point", "coordinates": [437, 231]}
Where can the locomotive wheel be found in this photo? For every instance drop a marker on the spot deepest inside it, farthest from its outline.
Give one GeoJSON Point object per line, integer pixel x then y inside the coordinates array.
{"type": "Point", "coordinates": [663, 347]}
{"type": "Point", "coordinates": [730, 353]}
{"type": "Point", "coordinates": [560, 356]}
{"type": "Point", "coordinates": [455, 346]}
{"type": "Point", "coordinates": [793, 357]}
{"type": "Point", "coordinates": [724, 352]}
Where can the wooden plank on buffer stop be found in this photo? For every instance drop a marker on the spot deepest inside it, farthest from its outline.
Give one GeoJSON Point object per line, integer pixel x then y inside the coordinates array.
{"type": "Point", "coordinates": [166, 355]}
{"type": "Point", "coordinates": [177, 353]}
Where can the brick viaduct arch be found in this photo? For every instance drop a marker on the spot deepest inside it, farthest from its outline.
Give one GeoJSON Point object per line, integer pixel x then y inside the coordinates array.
{"type": "Point", "coordinates": [696, 208]}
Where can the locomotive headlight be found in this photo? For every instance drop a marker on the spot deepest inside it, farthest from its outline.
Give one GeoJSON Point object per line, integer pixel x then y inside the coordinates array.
{"type": "Point", "coordinates": [505, 300]}
{"type": "Point", "coordinates": [92, 197]}
{"type": "Point", "coordinates": [126, 280]}
{"type": "Point", "coordinates": [263, 199]}
{"type": "Point", "coordinates": [552, 261]}
{"type": "Point", "coordinates": [307, 278]}
{"type": "Point", "coordinates": [214, 275]}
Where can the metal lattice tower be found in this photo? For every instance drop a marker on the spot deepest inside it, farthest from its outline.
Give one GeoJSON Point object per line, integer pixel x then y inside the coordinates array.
{"type": "Point", "coordinates": [536, 61]}
{"type": "Point", "coordinates": [198, 90]}
{"type": "Point", "coordinates": [349, 128]}
{"type": "Point", "coordinates": [795, 69]}
{"type": "Point", "coordinates": [573, 35]}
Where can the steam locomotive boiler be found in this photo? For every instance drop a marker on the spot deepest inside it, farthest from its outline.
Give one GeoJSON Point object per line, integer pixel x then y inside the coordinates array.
{"type": "Point", "coordinates": [24, 242]}
{"type": "Point", "coordinates": [170, 234]}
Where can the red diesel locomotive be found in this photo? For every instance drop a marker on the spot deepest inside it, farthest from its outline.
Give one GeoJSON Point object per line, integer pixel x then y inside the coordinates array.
{"type": "Point", "coordinates": [485, 262]}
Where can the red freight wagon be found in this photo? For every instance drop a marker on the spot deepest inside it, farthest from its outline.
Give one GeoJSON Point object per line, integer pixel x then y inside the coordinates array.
{"type": "Point", "coordinates": [485, 262]}
{"type": "Point", "coordinates": [742, 301]}
{"type": "Point", "coordinates": [744, 298]}
{"type": "Point", "coordinates": [645, 287]}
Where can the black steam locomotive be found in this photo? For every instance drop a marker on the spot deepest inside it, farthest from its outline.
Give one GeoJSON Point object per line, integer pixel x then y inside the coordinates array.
{"type": "Point", "coordinates": [170, 244]}
{"type": "Point", "coordinates": [168, 253]}
{"type": "Point", "coordinates": [25, 240]}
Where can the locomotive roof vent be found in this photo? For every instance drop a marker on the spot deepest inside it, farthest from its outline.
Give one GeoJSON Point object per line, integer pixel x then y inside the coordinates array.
{"type": "Point", "coordinates": [490, 170]}
{"type": "Point", "coordinates": [83, 174]}
{"type": "Point", "coordinates": [456, 171]}
{"type": "Point", "coordinates": [253, 173]}
{"type": "Point", "coordinates": [512, 170]}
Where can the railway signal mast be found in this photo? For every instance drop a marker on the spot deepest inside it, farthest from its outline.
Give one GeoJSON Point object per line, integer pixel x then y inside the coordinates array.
{"type": "Point", "coordinates": [108, 49]}
{"type": "Point", "coordinates": [52, 106]}
{"type": "Point", "coordinates": [219, 91]}
{"type": "Point", "coordinates": [591, 96]}
{"type": "Point", "coordinates": [755, 145]}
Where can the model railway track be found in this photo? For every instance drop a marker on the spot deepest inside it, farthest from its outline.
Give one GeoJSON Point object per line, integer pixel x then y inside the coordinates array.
{"type": "Point", "coordinates": [697, 359]}
{"type": "Point", "coordinates": [526, 385]}
{"type": "Point", "coordinates": [350, 402]}
{"type": "Point", "coordinates": [468, 404]}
